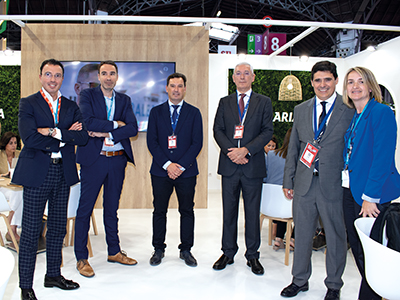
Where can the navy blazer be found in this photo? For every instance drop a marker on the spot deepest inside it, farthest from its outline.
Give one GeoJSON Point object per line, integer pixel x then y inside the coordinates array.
{"type": "Point", "coordinates": [257, 133]}
{"type": "Point", "coordinates": [94, 112]}
{"type": "Point", "coordinates": [189, 132]}
{"type": "Point", "coordinates": [34, 159]}
{"type": "Point", "coordinates": [372, 167]}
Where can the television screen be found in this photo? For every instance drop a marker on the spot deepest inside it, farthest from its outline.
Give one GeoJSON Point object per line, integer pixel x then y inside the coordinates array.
{"type": "Point", "coordinates": [143, 82]}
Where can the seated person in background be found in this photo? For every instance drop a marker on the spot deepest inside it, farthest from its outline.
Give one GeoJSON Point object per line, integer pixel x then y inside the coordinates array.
{"type": "Point", "coordinates": [275, 163]}
{"type": "Point", "coordinates": [8, 150]}
{"type": "Point", "coordinates": [271, 145]}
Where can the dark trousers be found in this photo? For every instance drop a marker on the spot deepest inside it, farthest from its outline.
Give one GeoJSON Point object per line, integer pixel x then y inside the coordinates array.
{"type": "Point", "coordinates": [162, 190]}
{"type": "Point", "coordinates": [281, 229]}
{"type": "Point", "coordinates": [108, 172]}
{"type": "Point", "coordinates": [351, 213]}
{"type": "Point", "coordinates": [251, 192]}
{"type": "Point", "coordinates": [56, 192]}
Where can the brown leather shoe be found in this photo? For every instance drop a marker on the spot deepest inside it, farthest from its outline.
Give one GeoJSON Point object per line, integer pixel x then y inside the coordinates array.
{"type": "Point", "coordinates": [84, 268]}
{"type": "Point", "coordinates": [121, 258]}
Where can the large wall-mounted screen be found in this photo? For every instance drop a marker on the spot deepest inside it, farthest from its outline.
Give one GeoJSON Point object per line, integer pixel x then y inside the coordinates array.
{"type": "Point", "coordinates": [144, 82]}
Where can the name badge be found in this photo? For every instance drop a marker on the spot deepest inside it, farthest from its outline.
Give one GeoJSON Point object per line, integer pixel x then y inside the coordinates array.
{"type": "Point", "coordinates": [345, 179]}
{"type": "Point", "coordinates": [108, 142]}
{"type": "Point", "coordinates": [309, 154]}
{"type": "Point", "coordinates": [238, 133]}
{"type": "Point", "coordinates": [172, 142]}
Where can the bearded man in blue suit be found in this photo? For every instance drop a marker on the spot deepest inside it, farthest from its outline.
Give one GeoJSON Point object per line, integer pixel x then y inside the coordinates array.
{"type": "Point", "coordinates": [111, 122]}
{"type": "Point", "coordinates": [50, 126]}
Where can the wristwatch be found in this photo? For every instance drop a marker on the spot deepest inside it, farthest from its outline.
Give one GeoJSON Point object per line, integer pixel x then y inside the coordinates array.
{"type": "Point", "coordinates": [51, 130]}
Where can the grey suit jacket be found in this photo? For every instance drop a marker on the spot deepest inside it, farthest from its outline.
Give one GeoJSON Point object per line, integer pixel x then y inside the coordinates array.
{"type": "Point", "coordinates": [257, 133]}
{"type": "Point", "coordinates": [297, 176]}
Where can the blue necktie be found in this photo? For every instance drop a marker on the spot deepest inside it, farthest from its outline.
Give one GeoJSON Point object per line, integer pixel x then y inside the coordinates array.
{"type": "Point", "coordinates": [174, 116]}
{"type": "Point", "coordinates": [321, 118]}
{"type": "Point", "coordinates": [323, 114]}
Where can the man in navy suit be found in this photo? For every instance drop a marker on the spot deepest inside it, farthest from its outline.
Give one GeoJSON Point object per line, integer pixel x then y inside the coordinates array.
{"type": "Point", "coordinates": [174, 139]}
{"type": "Point", "coordinates": [242, 127]}
{"type": "Point", "coordinates": [111, 122]}
{"type": "Point", "coordinates": [50, 126]}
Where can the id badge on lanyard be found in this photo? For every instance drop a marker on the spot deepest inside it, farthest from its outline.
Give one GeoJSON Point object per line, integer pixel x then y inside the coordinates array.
{"type": "Point", "coordinates": [238, 132]}
{"type": "Point", "coordinates": [309, 154]}
{"type": "Point", "coordinates": [172, 142]}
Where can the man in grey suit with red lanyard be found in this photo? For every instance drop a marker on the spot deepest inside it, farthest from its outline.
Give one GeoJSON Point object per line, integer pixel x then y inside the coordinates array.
{"type": "Point", "coordinates": [242, 127]}
{"type": "Point", "coordinates": [50, 126]}
{"type": "Point", "coordinates": [312, 179]}
{"type": "Point", "coordinates": [111, 122]}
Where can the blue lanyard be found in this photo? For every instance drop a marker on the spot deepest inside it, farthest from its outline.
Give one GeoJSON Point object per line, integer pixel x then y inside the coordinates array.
{"type": "Point", "coordinates": [241, 116]}
{"type": "Point", "coordinates": [174, 122]}
{"type": "Point", "coordinates": [109, 109]}
{"type": "Point", "coordinates": [318, 132]}
{"type": "Point", "coordinates": [353, 127]}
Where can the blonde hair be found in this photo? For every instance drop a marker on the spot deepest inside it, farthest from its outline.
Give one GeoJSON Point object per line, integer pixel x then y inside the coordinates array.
{"type": "Point", "coordinates": [369, 79]}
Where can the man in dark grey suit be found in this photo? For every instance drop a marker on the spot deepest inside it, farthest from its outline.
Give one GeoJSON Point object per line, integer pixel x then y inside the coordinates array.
{"type": "Point", "coordinates": [242, 127]}
{"type": "Point", "coordinates": [313, 179]}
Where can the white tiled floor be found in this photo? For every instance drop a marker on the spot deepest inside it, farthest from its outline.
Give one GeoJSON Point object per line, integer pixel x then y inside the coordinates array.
{"type": "Point", "coordinates": [173, 279]}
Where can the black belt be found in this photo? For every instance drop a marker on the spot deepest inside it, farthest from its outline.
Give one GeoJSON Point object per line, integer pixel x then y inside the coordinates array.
{"type": "Point", "coordinates": [56, 161]}
{"type": "Point", "coordinates": [315, 173]}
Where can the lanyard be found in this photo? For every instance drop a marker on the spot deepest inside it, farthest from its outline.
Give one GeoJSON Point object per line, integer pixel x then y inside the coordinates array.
{"type": "Point", "coordinates": [109, 109]}
{"type": "Point", "coordinates": [319, 132]}
{"type": "Point", "coordinates": [241, 116]}
{"type": "Point", "coordinates": [353, 127]}
{"type": "Point", "coordinates": [174, 122]}
{"type": "Point", "coordinates": [54, 114]}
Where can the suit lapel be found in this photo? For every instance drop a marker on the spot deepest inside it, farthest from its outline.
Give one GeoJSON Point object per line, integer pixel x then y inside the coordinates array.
{"type": "Point", "coordinates": [166, 115]}
{"type": "Point", "coordinates": [309, 118]}
{"type": "Point", "coordinates": [182, 116]}
{"type": "Point", "coordinates": [233, 105]}
{"type": "Point", "coordinates": [253, 103]}
{"type": "Point", "coordinates": [45, 107]}
{"type": "Point", "coordinates": [98, 96]}
{"type": "Point", "coordinates": [337, 113]}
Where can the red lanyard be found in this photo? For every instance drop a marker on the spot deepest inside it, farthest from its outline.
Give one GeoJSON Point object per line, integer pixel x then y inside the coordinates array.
{"type": "Point", "coordinates": [55, 116]}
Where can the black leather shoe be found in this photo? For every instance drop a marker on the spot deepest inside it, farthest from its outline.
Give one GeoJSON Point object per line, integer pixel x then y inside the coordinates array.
{"type": "Point", "coordinates": [255, 266]}
{"type": "Point", "coordinates": [188, 258]}
{"type": "Point", "coordinates": [332, 294]}
{"type": "Point", "coordinates": [60, 282]}
{"type": "Point", "coordinates": [293, 289]}
{"type": "Point", "coordinates": [221, 263]}
{"type": "Point", "coordinates": [156, 258]}
{"type": "Point", "coordinates": [28, 294]}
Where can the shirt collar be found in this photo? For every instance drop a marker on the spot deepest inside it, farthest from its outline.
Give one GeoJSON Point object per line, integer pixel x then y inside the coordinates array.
{"type": "Point", "coordinates": [330, 100]}
{"type": "Point", "coordinates": [49, 96]}
{"type": "Point", "coordinates": [248, 93]}
{"type": "Point", "coordinates": [179, 104]}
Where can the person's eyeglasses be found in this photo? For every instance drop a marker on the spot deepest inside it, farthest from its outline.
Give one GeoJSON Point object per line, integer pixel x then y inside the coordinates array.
{"type": "Point", "coordinates": [56, 76]}
{"type": "Point", "coordinates": [245, 73]}
{"type": "Point", "coordinates": [90, 84]}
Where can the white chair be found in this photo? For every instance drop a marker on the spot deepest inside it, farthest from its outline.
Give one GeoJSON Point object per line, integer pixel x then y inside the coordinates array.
{"type": "Point", "coordinates": [382, 264]}
{"type": "Point", "coordinates": [275, 206]}
{"type": "Point", "coordinates": [7, 266]}
{"type": "Point", "coordinates": [4, 207]}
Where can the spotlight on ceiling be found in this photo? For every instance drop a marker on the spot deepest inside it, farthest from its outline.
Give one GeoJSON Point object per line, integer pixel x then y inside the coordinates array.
{"type": "Point", "coordinates": [372, 48]}
{"type": "Point", "coordinates": [303, 58]}
{"type": "Point", "coordinates": [218, 13]}
{"type": "Point", "coordinates": [220, 31]}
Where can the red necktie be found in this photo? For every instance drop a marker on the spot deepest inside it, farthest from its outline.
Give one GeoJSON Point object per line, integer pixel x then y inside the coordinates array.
{"type": "Point", "coordinates": [241, 104]}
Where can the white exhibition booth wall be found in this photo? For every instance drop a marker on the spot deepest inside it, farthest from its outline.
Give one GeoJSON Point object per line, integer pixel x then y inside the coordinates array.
{"type": "Point", "coordinates": [384, 63]}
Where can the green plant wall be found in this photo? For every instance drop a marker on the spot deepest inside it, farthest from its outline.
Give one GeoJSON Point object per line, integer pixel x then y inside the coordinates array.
{"type": "Point", "coordinates": [267, 83]}
{"type": "Point", "coordinates": [10, 91]}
